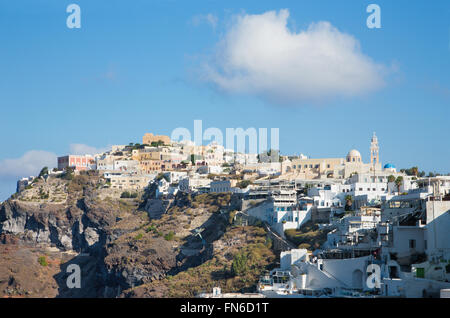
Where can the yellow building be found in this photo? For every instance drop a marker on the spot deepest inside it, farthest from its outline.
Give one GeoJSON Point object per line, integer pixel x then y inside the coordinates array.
{"type": "Point", "coordinates": [315, 168]}
{"type": "Point", "coordinates": [321, 168]}
{"type": "Point", "coordinates": [150, 166]}
{"type": "Point", "coordinates": [147, 155]}
{"type": "Point", "coordinates": [149, 138]}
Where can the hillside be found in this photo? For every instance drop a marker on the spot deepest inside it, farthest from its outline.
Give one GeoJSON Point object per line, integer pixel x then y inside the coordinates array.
{"type": "Point", "coordinates": [137, 247]}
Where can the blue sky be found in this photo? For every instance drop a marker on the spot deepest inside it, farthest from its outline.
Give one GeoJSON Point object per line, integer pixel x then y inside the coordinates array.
{"type": "Point", "coordinates": [133, 68]}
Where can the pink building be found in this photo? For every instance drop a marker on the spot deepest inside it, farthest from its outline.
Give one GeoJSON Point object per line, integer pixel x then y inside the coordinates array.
{"type": "Point", "coordinates": [85, 162]}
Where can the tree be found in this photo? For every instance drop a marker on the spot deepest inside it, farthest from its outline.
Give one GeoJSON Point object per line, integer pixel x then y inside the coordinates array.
{"type": "Point", "coordinates": [243, 184]}
{"type": "Point", "coordinates": [398, 183]}
{"type": "Point", "coordinates": [239, 265]}
{"type": "Point", "coordinates": [43, 172]}
{"type": "Point", "coordinates": [414, 171]}
{"type": "Point", "coordinates": [157, 143]}
{"type": "Point", "coordinates": [348, 202]}
{"type": "Point", "coordinates": [69, 174]}
{"type": "Point", "coordinates": [391, 178]}
{"type": "Point", "coordinates": [125, 195]}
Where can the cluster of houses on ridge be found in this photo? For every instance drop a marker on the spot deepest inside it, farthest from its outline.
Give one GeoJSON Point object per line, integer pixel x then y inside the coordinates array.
{"type": "Point", "coordinates": [374, 214]}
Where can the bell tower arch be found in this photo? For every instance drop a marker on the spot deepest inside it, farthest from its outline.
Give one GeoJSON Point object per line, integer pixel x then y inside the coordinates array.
{"type": "Point", "coordinates": [374, 150]}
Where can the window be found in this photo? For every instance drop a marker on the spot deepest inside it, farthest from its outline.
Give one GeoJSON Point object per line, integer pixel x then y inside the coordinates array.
{"type": "Point", "coordinates": [412, 243]}
{"type": "Point", "coordinates": [328, 166]}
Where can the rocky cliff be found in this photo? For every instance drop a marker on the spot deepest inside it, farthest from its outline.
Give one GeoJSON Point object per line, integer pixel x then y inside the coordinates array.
{"type": "Point", "coordinates": [119, 244]}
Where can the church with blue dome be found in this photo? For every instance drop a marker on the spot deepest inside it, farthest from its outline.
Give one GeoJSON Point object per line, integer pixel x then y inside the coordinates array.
{"type": "Point", "coordinates": [389, 167]}
{"type": "Point", "coordinates": [340, 168]}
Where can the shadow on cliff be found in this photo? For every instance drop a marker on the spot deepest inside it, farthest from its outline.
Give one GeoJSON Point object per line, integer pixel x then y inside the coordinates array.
{"type": "Point", "coordinates": [90, 284]}
{"type": "Point", "coordinates": [212, 230]}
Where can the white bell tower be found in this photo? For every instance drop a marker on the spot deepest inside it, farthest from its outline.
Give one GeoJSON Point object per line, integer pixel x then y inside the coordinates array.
{"type": "Point", "coordinates": [374, 150]}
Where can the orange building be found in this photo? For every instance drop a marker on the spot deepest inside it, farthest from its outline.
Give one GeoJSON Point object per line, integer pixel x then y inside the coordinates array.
{"type": "Point", "coordinates": [149, 138]}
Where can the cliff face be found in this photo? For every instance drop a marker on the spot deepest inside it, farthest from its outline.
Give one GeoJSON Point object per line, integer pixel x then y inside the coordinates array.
{"type": "Point", "coordinates": [66, 227]}
{"type": "Point", "coordinates": [118, 243]}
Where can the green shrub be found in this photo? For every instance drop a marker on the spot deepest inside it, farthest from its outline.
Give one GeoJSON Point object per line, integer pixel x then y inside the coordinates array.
{"type": "Point", "coordinates": [43, 172]}
{"type": "Point", "coordinates": [125, 195]}
{"type": "Point", "coordinates": [243, 184]}
{"type": "Point", "coordinates": [68, 174]}
{"type": "Point", "coordinates": [151, 228]}
{"type": "Point", "coordinates": [169, 236]}
{"type": "Point", "coordinates": [139, 236]}
{"type": "Point", "coordinates": [231, 217]}
{"type": "Point", "coordinates": [239, 265]}
{"type": "Point", "coordinates": [43, 260]}
{"type": "Point", "coordinates": [268, 242]}
{"type": "Point", "coordinates": [128, 195]}
{"type": "Point", "coordinates": [43, 195]}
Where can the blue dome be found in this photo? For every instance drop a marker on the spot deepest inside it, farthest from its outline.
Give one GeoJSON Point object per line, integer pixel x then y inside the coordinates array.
{"type": "Point", "coordinates": [389, 166]}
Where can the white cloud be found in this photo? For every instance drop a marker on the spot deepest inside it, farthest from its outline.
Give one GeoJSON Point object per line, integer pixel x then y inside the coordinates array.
{"type": "Point", "coordinates": [82, 149]}
{"type": "Point", "coordinates": [260, 55]}
{"type": "Point", "coordinates": [30, 164]}
{"type": "Point", "coordinates": [209, 18]}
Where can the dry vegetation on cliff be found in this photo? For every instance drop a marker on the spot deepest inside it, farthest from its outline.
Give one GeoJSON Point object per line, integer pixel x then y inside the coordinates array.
{"type": "Point", "coordinates": [175, 247]}
{"type": "Point", "coordinates": [250, 242]}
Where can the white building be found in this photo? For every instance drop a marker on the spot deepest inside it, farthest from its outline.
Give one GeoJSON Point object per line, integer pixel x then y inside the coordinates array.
{"type": "Point", "coordinates": [438, 229]}
{"type": "Point", "coordinates": [219, 186]}
{"type": "Point", "coordinates": [126, 165]}
{"type": "Point", "coordinates": [128, 181]}
{"type": "Point", "coordinates": [193, 183]}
